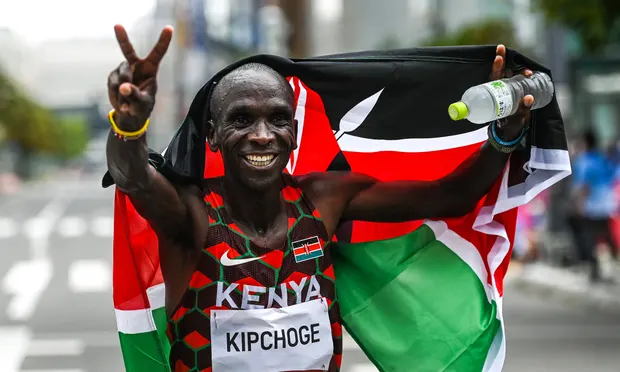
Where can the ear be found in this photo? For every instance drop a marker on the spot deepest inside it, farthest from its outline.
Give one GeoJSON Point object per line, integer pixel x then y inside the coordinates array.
{"type": "Point", "coordinates": [212, 139]}
{"type": "Point", "coordinates": [295, 127]}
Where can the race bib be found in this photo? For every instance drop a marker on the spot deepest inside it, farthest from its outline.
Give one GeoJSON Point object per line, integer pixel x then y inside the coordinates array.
{"type": "Point", "coordinates": [294, 338]}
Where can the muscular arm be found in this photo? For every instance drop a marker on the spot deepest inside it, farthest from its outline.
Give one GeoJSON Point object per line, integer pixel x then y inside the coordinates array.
{"type": "Point", "coordinates": [353, 196]}
{"type": "Point", "coordinates": [452, 196]}
{"type": "Point", "coordinates": [154, 197]}
{"type": "Point", "coordinates": [131, 89]}
{"type": "Point", "coordinates": [359, 197]}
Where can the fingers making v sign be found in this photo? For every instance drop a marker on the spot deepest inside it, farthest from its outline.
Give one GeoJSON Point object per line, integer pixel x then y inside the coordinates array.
{"type": "Point", "coordinates": [132, 85]}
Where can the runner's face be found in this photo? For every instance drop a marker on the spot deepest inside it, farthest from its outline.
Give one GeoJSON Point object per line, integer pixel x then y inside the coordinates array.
{"type": "Point", "coordinates": [256, 129]}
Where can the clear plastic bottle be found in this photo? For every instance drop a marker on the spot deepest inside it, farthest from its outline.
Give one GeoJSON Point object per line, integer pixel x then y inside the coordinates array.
{"type": "Point", "coordinates": [498, 99]}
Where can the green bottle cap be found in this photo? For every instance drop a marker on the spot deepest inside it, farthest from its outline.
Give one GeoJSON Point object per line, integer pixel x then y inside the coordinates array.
{"type": "Point", "coordinates": [458, 111]}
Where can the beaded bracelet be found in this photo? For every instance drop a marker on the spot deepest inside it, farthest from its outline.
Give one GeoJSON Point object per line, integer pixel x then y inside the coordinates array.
{"type": "Point", "coordinates": [124, 135]}
{"type": "Point", "coordinates": [501, 145]}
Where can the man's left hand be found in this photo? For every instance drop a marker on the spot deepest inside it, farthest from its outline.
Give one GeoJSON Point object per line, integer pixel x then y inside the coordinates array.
{"type": "Point", "coordinates": [510, 128]}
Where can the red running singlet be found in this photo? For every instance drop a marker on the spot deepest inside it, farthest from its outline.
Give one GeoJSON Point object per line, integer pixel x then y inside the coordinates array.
{"type": "Point", "coordinates": [294, 264]}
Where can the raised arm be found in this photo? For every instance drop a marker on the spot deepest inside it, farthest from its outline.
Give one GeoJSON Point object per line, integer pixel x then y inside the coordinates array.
{"type": "Point", "coordinates": [452, 196]}
{"type": "Point", "coordinates": [359, 197]}
{"type": "Point", "coordinates": [131, 89]}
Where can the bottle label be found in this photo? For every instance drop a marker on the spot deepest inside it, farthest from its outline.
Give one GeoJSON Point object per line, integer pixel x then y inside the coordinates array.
{"type": "Point", "coordinates": [503, 98]}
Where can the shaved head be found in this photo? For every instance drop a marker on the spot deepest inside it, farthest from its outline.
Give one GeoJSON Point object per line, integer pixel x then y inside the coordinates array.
{"type": "Point", "coordinates": [250, 72]}
{"type": "Point", "coordinates": [252, 114]}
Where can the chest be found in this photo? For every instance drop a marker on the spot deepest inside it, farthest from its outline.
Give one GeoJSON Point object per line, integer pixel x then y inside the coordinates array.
{"type": "Point", "coordinates": [292, 266]}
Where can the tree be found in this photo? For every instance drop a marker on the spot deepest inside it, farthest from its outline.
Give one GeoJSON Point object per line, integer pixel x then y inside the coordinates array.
{"type": "Point", "coordinates": [35, 129]}
{"type": "Point", "coordinates": [492, 31]}
{"type": "Point", "coordinates": [593, 20]}
{"type": "Point", "coordinates": [23, 120]}
{"type": "Point", "coordinates": [72, 136]}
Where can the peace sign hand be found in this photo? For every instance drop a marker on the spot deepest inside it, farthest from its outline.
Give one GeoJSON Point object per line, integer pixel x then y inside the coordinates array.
{"type": "Point", "coordinates": [132, 85]}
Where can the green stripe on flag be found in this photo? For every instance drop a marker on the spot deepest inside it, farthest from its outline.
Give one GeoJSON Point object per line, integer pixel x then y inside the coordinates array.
{"type": "Point", "coordinates": [414, 304]}
{"type": "Point", "coordinates": [147, 351]}
{"type": "Point", "coordinates": [142, 352]}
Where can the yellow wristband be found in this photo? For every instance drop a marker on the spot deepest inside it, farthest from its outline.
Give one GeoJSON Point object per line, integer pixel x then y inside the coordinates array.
{"type": "Point", "coordinates": [126, 134]}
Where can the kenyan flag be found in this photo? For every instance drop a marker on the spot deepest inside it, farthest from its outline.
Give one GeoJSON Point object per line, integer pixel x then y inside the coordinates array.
{"type": "Point", "coordinates": [423, 293]}
{"type": "Point", "coordinates": [139, 292]}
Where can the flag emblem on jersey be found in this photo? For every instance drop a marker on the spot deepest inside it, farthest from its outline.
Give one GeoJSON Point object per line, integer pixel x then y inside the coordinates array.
{"type": "Point", "coordinates": [307, 249]}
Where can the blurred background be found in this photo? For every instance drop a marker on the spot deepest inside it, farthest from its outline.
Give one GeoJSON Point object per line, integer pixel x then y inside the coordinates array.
{"type": "Point", "coordinates": [563, 301]}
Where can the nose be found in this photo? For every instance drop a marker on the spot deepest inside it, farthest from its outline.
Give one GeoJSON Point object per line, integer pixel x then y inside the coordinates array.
{"type": "Point", "coordinates": [261, 134]}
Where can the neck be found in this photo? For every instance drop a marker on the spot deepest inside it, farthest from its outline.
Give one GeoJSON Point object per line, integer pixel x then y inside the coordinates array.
{"type": "Point", "coordinates": [257, 210]}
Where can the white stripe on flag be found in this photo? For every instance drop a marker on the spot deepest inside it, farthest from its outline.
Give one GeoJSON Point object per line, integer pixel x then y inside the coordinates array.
{"type": "Point", "coordinates": [134, 321]}
{"type": "Point", "coordinates": [157, 296]}
{"type": "Point", "coordinates": [412, 145]}
{"type": "Point", "coordinates": [548, 166]}
{"type": "Point", "coordinates": [364, 368]}
{"type": "Point", "coordinates": [496, 354]}
{"type": "Point", "coordinates": [464, 249]}
{"type": "Point", "coordinates": [141, 321]}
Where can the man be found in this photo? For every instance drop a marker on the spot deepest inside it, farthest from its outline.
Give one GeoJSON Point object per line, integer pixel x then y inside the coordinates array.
{"type": "Point", "coordinates": [254, 211]}
{"type": "Point", "coordinates": [595, 204]}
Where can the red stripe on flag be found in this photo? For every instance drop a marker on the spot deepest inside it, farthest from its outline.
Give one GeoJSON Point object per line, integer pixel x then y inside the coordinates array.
{"type": "Point", "coordinates": [299, 251]}
{"type": "Point", "coordinates": [392, 165]}
{"type": "Point", "coordinates": [422, 166]}
{"type": "Point", "coordinates": [135, 256]}
{"type": "Point", "coordinates": [214, 166]}
{"type": "Point", "coordinates": [314, 247]}
{"type": "Point", "coordinates": [315, 134]}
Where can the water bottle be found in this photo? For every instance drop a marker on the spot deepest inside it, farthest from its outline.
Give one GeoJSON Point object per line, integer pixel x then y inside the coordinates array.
{"type": "Point", "coordinates": [498, 99]}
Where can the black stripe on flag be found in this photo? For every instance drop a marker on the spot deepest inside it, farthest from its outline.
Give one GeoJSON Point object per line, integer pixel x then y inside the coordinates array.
{"type": "Point", "coordinates": [307, 241]}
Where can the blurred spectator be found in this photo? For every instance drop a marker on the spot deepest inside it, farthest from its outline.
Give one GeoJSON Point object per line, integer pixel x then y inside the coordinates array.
{"type": "Point", "coordinates": [594, 203]}
{"type": "Point", "coordinates": [531, 224]}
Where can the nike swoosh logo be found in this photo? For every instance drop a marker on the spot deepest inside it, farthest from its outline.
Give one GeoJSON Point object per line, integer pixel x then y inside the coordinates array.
{"type": "Point", "coordinates": [227, 261]}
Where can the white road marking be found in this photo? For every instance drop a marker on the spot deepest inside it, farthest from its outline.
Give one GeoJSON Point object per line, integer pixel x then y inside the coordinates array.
{"type": "Point", "coordinates": [90, 276]}
{"type": "Point", "coordinates": [26, 281]}
{"type": "Point", "coordinates": [103, 226]}
{"type": "Point", "coordinates": [92, 339]}
{"type": "Point", "coordinates": [8, 228]}
{"type": "Point", "coordinates": [40, 227]}
{"type": "Point", "coordinates": [13, 347]}
{"type": "Point", "coordinates": [71, 227]}
{"type": "Point", "coordinates": [58, 347]}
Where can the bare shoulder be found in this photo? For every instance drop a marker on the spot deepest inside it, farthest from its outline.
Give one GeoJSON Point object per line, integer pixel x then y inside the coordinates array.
{"type": "Point", "coordinates": [331, 192]}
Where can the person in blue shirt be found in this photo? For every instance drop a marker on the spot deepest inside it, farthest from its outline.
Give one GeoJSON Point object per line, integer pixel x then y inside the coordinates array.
{"type": "Point", "coordinates": [594, 204]}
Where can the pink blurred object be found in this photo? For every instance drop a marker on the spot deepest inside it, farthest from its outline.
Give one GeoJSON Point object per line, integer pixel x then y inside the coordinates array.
{"type": "Point", "coordinates": [9, 184]}
{"type": "Point", "coordinates": [615, 220]}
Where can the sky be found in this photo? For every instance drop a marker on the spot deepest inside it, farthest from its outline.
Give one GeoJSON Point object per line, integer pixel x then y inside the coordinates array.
{"type": "Point", "coordinates": [39, 20]}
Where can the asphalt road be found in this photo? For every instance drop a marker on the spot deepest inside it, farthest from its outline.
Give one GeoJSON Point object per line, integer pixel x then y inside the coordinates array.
{"type": "Point", "coordinates": [56, 311]}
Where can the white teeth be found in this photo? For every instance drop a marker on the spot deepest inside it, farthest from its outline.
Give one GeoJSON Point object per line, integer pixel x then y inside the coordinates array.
{"type": "Point", "coordinates": [260, 160]}
{"type": "Point", "coordinates": [260, 157]}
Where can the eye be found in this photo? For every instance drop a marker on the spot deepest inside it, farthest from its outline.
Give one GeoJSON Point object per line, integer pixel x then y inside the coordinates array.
{"type": "Point", "coordinates": [280, 119]}
{"type": "Point", "coordinates": [241, 120]}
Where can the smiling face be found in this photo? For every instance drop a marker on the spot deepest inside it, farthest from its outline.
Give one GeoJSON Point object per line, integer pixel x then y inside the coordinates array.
{"type": "Point", "coordinates": [253, 126]}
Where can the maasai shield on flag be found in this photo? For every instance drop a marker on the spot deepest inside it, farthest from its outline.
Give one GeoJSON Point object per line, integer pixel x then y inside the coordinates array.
{"type": "Point", "coordinates": [307, 249]}
{"type": "Point", "coordinates": [421, 295]}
